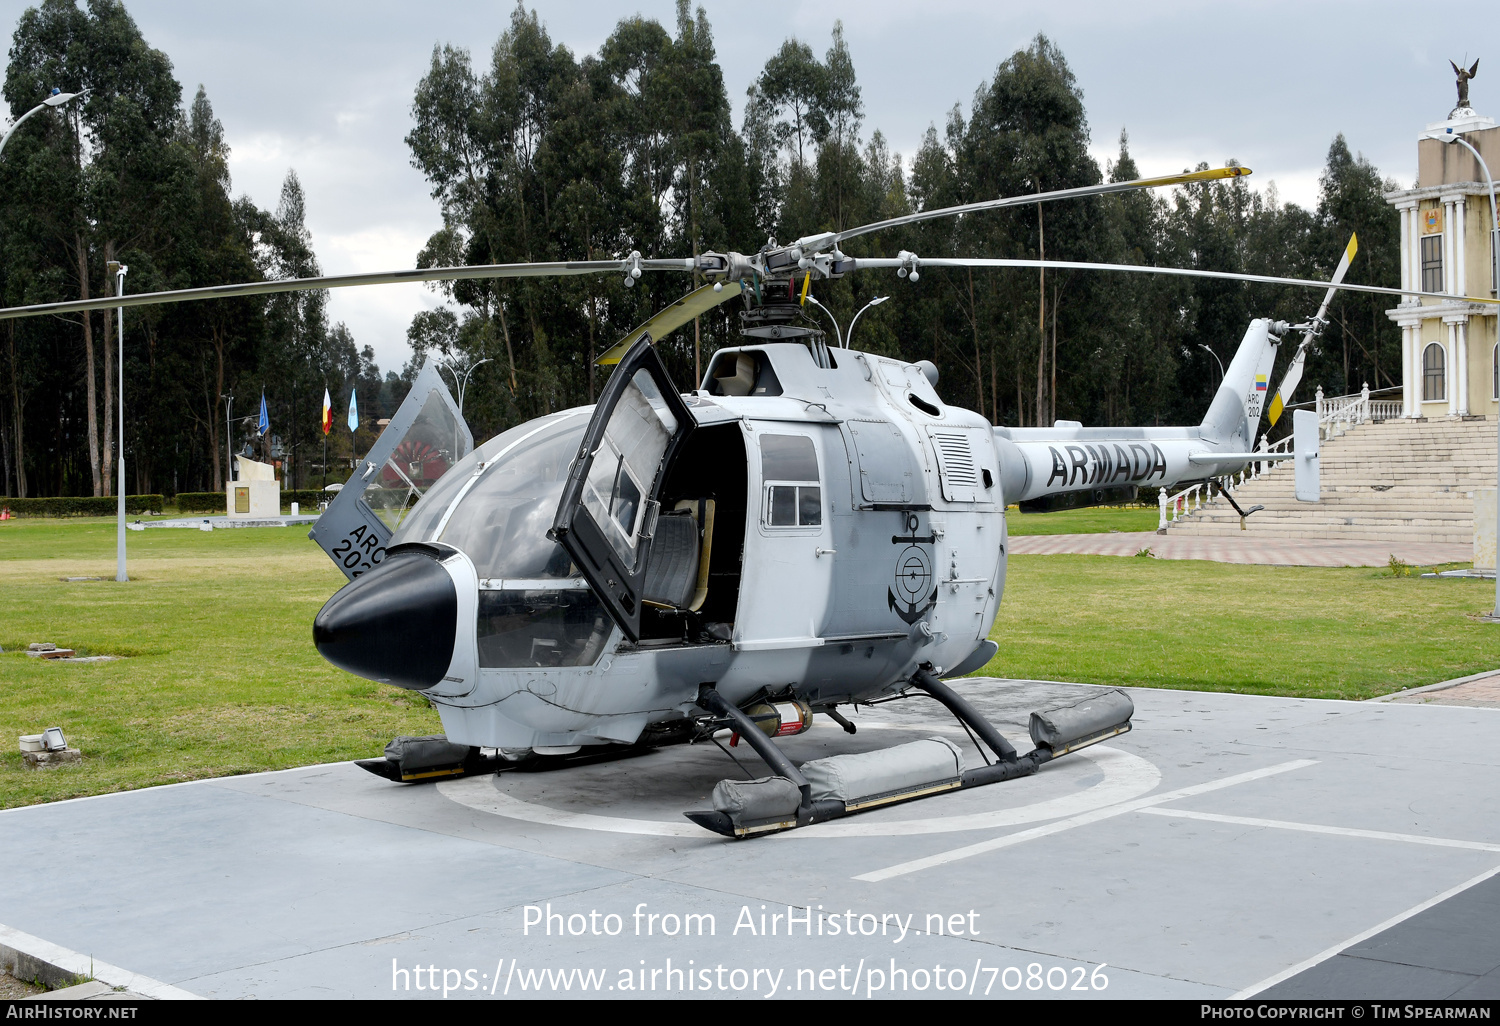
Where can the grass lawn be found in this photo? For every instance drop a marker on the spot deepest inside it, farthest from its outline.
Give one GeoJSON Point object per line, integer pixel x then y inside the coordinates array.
{"type": "Point", "coordinates": [1095, 520]}
{"type": "Point", "coordinates": [221, 676]}
{"type": "Point", "coordinates": [1347, 632]}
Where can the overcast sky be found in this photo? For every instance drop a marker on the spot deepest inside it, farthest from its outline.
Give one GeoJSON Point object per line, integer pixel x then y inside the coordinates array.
{"type": "Point", "coordinates": [325, 87]}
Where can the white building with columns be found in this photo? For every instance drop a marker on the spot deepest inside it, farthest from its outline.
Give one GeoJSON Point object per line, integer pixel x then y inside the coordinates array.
{"type": "Point", "coordinates": [1449, 360]}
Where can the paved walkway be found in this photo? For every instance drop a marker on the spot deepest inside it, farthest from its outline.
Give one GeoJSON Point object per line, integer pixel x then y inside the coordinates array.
{"type": "Point", "coordinates": [1481, 692]}
{"type": "Point", "coordinates": [1249, 549]}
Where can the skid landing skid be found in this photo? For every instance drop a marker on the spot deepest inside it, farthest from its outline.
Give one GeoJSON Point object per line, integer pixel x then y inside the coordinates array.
{"type": "Point", "coordinates": [830, 788]}
{"type": "Point", "coordinates": [420, 759]}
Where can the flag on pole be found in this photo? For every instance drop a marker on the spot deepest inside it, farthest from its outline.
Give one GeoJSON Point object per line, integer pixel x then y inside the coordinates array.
{"type": "Point", "coordinates": [264, 425]}
{"type": "Point", "coordinates": [353, 411]}
{"type": "Point", "coordinates": [327, 412]}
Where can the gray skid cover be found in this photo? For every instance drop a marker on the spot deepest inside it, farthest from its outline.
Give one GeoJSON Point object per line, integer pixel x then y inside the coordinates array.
{"type": "Point", "coordinates": [852, 777]}
{"type": "Point", "coordinates": [419, 753]}
{"type": "Point", "coordinates": [764, 798]}
{"type": "Point", "coordinates": [1055, 728]}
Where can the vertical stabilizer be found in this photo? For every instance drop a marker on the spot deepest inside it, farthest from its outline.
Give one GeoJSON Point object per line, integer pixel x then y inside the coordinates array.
{"type": "Point", "coordinates": [1235, 412]}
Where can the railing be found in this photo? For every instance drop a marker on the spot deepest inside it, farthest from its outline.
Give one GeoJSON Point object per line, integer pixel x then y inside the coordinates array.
{"type": "Point", "coordinates": [1195, 496]}
{"type": "Point", "coordinates": [1336, 415]}
{"type": "Point", "coordinates": [1341, 412]}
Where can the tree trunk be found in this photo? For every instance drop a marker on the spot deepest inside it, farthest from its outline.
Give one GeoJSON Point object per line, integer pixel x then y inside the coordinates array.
{"type": "Point", "coordinates": [1052, 391]}
{"type": "Point", "coordinates": [978, 360]}
{"type": "Point", "coordinates": [15, 391]}
{"type": "Point", "coordinates": [994, 389]}
{"type": "Point", "coordinates": [1041, 320]}
{"type": "Point", "coordinates": [91, 391]}
{"type": "Point", "coordinates": [510, 354]}
{"type": "Point", "coordinates": [219, 344]}
{"type": "Point", "coordinates": [108, 455]}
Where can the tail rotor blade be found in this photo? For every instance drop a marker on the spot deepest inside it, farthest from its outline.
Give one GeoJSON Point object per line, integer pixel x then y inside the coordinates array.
{"type": "Point", "coordinates": [1294, 369]}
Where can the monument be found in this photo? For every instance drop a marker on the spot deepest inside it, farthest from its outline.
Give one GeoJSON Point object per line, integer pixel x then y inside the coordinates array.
{"type": "Point", "coordinates": [256, 494]}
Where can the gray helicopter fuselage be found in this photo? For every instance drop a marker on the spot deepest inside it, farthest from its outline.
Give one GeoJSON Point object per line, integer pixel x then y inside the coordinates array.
{"type": "Point", "coordinates": [894, 558]}
{"type": "Point", "coordinates": [824, 527]}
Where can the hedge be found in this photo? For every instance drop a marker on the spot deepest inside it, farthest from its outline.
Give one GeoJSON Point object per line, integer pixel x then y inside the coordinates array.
{"type": "Point", "coordinates": [84, 506]}
{"type": "Point", "coordinates": [200, 502]}
{"type": "Point", "coordinates": [214, 502]}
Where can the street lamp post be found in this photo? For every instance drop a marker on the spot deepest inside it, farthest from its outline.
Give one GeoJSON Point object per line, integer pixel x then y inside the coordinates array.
{"type": "Point", "coordinates": [462, 384]}
{"type": "Point", "coordinates": [1215, 355]}
{"type": "Point", "coordinates": [228, 439]}
{"type": "Point", "coordinates": [1450, 136]}
{"type": "Point", "coordinates": [57, 99]}
{"type": "Point", "coordinates": [874, 302]}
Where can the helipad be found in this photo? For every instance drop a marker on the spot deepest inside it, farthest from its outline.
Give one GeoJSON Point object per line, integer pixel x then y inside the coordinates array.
{"type": "Point", "coordinates": [1229, 844]}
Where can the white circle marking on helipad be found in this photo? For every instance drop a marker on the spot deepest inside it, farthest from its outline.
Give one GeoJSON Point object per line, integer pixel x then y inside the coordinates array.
{"type": "Point", "coordinates": [1126, 776]}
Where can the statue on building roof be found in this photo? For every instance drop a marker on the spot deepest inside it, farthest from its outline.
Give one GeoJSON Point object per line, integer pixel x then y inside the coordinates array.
{"type": "Point", "coordinates": [1463, 81]}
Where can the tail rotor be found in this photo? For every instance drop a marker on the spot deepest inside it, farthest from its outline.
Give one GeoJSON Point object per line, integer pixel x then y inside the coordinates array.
{"type": "Point", "coordinates": [1311, 331]}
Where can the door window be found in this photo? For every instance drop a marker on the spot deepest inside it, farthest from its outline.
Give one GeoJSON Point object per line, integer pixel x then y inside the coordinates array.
{"type": "Point", "coordinates": [789, 474]}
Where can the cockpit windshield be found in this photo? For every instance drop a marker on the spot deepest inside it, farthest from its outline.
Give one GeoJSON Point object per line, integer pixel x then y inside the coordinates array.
{"type": "Point", "coordinates": [497, 504]}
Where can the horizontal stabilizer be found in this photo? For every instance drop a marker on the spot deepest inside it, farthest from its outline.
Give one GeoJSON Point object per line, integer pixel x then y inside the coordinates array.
{"type": "Point", "coordinates": [1235, 457]}
{"type": "Point", "coordinates": [1305, 436]}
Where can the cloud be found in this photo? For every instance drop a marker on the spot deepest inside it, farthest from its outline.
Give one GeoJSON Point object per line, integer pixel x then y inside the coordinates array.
{"type": "Point", "coordinates": [326, 87]}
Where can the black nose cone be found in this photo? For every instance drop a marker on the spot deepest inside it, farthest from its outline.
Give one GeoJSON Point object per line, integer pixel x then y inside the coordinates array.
{"type": "Point", "coordinates": [394, 624]}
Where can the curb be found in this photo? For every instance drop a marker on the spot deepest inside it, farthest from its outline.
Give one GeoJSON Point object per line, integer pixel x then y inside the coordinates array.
{"type": "Point", "coordinates": [31, 958]}
{"type": "Point", "coordinates": [1443, 685]}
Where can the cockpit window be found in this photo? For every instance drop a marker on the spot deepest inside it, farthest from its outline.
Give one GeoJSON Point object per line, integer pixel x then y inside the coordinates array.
{"type": "Point", "coordinates": [520, 626]}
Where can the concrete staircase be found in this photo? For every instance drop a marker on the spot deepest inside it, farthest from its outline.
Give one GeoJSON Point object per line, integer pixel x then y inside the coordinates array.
{"type": "Point", "coordinates": [1393, 479]}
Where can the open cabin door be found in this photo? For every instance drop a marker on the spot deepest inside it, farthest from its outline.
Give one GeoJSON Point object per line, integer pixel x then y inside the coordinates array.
{"type": "Point", "coordinates": [423, 441]}
{"type": "Point", "coordinates": [611, 501]}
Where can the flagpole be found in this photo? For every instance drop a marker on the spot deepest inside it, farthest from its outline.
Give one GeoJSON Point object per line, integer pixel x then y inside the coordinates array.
{"type": "Point", "coordinates": [326, 423]}
{"type": "Point", "coordinates": [354, 423]}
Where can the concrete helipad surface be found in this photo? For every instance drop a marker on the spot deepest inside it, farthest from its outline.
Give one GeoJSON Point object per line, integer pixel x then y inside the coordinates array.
{"type": "Point", "coordinates": [1228, 844]}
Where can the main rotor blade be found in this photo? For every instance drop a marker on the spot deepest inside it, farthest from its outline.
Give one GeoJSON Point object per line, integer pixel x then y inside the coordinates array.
{"type": "Point", "coordinates": [863, 263]}
{"type": "Point", "coordinates": [1187, 177]}
{"type": "Point", "coordinates": [1294, 369]}
{"type": "Point", "coordinates": [338, 281]}
{"type": "Point", "coordinates": [694, 304]}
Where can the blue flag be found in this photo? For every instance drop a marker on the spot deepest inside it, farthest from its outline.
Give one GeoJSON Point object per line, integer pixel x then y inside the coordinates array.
{"type": "Point", "coordinates": [264, 426]}
{"type": "Point", "coordinates": [353, 411]}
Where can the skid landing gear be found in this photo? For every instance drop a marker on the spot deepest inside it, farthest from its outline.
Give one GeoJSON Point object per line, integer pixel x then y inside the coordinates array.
{"type": "Point", "coordinates": [843, 785]}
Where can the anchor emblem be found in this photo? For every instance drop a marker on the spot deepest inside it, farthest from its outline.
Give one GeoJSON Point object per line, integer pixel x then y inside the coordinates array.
{"type": "Point", "coordinates": [913, 576]}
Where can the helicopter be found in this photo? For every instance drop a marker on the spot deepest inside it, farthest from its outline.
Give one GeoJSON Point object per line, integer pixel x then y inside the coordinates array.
{"type": "Point", "coordinates": [815, 527]}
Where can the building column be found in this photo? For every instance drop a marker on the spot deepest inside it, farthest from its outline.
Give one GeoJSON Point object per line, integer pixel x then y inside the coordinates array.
{"type": "Point", "coordinates": [1449, 372]}
{"type": "Point", "coordinates": [1463, 367]}
{"type": "Point", "coordinates": [1408, 400]}
{"type": "Point", "coordinates": [1405, 212]}
{"type": "Point", "coordinates": [1460, 268]}
{"type": "Point", "coordinates": [1448, 258]}
{"type": "Point", "coordinates": [1414, 254]}
{"type": "Point", "coordinates": [1417, 345]}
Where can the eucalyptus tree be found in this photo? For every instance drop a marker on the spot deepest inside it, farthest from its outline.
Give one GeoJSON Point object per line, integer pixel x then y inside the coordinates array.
{"type": "Point", "coordinates": [1351, 201]}
{"type": "Point", "coordinates": [115, 172]}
